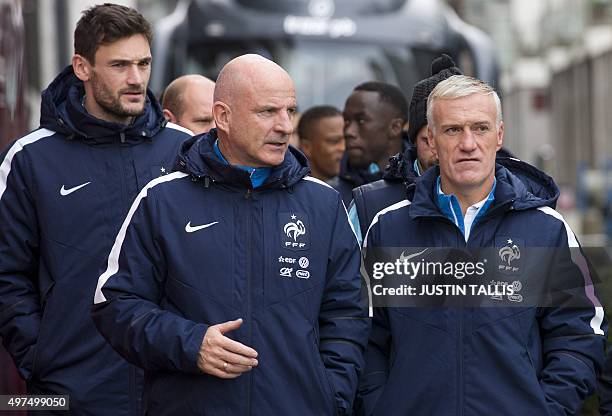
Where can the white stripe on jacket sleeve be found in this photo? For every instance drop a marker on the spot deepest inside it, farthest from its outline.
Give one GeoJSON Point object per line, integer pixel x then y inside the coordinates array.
{"type": "Point", "coordinates": [112, 266]}
{"type": "Point", "coordinates": [397, 205]}
{"type": "Point", "coordinates": [5, 166]}
{"type": "Point", "coordinates": [581, 263]}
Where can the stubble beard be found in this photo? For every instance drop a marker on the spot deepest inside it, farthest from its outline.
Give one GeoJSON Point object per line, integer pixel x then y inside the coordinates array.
{"type": "Point", "coordinates": [110, 103]}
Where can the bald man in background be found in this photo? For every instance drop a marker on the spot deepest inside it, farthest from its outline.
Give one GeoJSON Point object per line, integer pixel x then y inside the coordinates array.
{"type": "Point", "coordinates": [227, 299]}
{"type": "Point", "coordinates": [187, 101]}
{"type": "Point", "coordinates": [322, 140]}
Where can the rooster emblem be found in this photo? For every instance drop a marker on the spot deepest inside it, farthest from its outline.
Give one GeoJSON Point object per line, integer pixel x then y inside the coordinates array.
{"type": "Point", "coordinates": [508, 254]}
{"type": "Point", "coordinates": [294, 229]}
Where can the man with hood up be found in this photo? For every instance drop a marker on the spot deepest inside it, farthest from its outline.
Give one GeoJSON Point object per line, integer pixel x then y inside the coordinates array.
{"type": "Point", "coordinates": [64, 190]}
{"type": "Point", "coordinates": [245, 297]}
{"type": "Point", "coordinates": [536, 346]}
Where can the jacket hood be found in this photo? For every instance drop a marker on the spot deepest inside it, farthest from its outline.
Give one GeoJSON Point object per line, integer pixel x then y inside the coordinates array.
{"type": "Point", "coordinates": [536, 185]}
{"type": "Point", "coordinates": [520, 186]}
{"type": "Point", "coordinates": [62, 111]}
{"type": "Point", "coordinates": [198, 159]}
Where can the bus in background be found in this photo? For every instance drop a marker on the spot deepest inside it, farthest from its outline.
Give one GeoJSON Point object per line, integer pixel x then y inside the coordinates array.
{"type": "Point", "coordinates": [327, 46]}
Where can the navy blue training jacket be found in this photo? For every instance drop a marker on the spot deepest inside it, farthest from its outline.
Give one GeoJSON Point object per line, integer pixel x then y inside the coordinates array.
{"type": "Point", "coordinates": [477, 361]}
{"type": "Point", "coordinates": [201, 247]}
{"type": "Point", "coordinates": [605, 387]}
{"type": "Point", "coordinates": [64, 191]}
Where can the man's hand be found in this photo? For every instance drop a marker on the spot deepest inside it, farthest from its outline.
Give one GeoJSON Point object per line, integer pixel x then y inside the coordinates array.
{"type": "Point", "coordinates": [223, 357]}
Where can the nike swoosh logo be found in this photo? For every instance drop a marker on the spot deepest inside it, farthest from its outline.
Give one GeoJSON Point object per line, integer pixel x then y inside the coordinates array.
{"type": "Point", "coordinates": [64, 191]}
{"type": "Point", "coordinates": [191, 229]}
{"type": "Point", "coordinates": [404, 258]}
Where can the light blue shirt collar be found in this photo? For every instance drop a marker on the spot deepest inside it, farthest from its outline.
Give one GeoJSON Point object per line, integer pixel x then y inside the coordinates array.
{"type": "Point", "coordinates": [450, 207]}
{"type": "Point", "coordinates": [258, 175]}
{"type": "Point", "coordinates": [417, 170]}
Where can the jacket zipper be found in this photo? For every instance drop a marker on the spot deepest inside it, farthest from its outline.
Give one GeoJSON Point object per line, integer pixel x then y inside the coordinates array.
{"type": "Point", "coordinates": [460, 375]}
{"type": "Point", "coordinates": [248, 198]}
{"type": "Point", "coordinates": [460, 384]}
{"type": "Point", "coordinates": [460, 381]}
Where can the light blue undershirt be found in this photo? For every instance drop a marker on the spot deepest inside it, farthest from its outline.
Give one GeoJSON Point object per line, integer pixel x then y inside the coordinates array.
{"type": "Point", "coordinates": [258, 175]}
{"type": "Point", "coordinates": [450, 207]}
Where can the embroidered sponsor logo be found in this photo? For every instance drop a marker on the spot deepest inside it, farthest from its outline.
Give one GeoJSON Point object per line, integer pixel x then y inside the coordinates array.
{"type": "Point", "coordinates": [509, 252]}
{"type": "Point", "coordinates": [286, 272]}
{"type": "Point", "coordinates": [191, 229]}
{"type": "Point", "coordinates": [304, 262]}
{"type": "Point", "coordinates": [64, 191]}
{"type": "Point", "coordinates": [303, 274]}
{"type": "Point", "coordinates": [403, 257]}
{"type": "Point", "coordinates": [510, 289]}
{"type": "Point", "coordinates": [294, 232]}
{"type": "Point", "coordinates": [289, 260]}
{"type": "Point", "coordinates": [294, 229]}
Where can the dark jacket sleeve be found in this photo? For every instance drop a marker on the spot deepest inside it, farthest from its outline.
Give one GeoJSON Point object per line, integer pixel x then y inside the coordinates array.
{"type": "Point", "coordinates": [605, 387]}
{"type": "Point", "coordinates": [20, 301]}
{"type": "Point", "coordinates": [126, 309]}
{"type": "Point", "coordinates": [343, 321]}
{"type": "Point", "coordinates": [378, 351]}
{"type": "Point", "coordinates": [573, 331]}
{"type": "Point", "coordinates": [377, 358]}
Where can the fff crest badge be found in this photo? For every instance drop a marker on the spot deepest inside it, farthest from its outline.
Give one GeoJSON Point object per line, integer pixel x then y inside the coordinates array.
{"type": "Point", "coordinates": [510, 252]}
{"type": "Point", "coordinates": [295, 231]}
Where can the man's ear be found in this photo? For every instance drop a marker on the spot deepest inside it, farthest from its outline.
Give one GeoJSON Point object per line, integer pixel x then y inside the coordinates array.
{"type": "Point", "coordinates": [500, 135]}
{"type": "Point", "coordinates": [430, 140]}
{"type": "Point", "coordinates": [306, 148]}
{"type": "Point", "coordinates": [395, 127]}
{"type": "Point", "coordinates": [82, 68]}
{"type": "Point", "coordinates": [221, 114]}
{"type": "Point", "coordinates": [169, 116]}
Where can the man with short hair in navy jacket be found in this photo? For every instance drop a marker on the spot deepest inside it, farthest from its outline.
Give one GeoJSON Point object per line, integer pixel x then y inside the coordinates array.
{"type": "Point", "coordinates": [234, 282]}
{"type": "Point", "coordinates": [539, 357]}
{"type": "Point", "coordinates": [64, 190]}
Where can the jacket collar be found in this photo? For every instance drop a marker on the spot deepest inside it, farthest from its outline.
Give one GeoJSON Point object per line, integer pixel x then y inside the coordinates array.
{"type": "Point", "coordinates": [510, 193]}
{"type": "Point", "coordinates": [197, 158]}
{"type": "Point", "coordinates": [62, 111]}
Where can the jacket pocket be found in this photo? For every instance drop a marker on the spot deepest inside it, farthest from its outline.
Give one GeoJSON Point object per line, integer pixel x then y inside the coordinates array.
{"type": "Point", "coordinates": [45, 305]}
{"type": "Point", "coordinates": [325, 384]}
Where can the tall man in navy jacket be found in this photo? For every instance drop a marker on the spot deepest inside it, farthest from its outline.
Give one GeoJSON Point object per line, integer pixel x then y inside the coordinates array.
{"type": "Point", "coordinates": [235, 281]}
{"type": "Point", "coordinates": [539, 359]}
{"type": "Point", "coordinates": [64, 190]}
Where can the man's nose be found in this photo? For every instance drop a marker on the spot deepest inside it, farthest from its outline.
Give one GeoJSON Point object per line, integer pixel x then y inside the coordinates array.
{"type": "Point", "coordinates": [284, 122]}
{"type": "Point", "coordinates": [350, 130]}
{"type": "Point", "coordinates": [468, 140]}
{"type": "Point", "coordinates": [135, 77]}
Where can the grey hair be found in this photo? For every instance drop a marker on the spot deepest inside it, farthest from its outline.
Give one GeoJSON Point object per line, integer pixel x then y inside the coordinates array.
{"type": "Point", "coordinates": [459, 86]}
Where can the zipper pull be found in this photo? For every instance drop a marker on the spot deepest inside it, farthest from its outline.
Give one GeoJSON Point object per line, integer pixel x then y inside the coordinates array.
{"type": "Point", "coordinates": [122, 137]}
{"type": "Point", "coordinates": [248, 194]}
